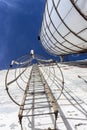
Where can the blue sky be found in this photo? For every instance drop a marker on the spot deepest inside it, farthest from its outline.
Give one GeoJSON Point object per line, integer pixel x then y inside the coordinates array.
{"type": "Point", "coordinates": [20, 22]}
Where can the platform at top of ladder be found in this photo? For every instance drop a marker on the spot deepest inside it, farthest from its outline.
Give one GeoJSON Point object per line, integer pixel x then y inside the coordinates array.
{"type": "Point", "coordinates": [30, 58]}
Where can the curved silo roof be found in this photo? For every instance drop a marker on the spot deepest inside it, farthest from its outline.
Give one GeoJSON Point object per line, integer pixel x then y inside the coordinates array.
{"type": "Point", "coordinates": [64, 26]}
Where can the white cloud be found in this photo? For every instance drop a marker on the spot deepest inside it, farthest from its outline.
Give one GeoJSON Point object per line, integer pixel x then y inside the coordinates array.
{"type": "Point", "coordinates": [18, 5]}
{"type": "Point", "coordinates": [8, 3]}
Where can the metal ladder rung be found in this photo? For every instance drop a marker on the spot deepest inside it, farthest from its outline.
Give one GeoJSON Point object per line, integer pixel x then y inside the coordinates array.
{"type": "Point", "coordinates": [36, 98]}
{"type": "Point", "coordinates": [38, 114]}
{"type": "Point", "coordinates": [35, 89]}
{"type": "Point", "coordinates": [37, 107]}
{"type": "Point", "coordinates": [38, 102]}
{"type": "Point", "coordinates": [39, 92]}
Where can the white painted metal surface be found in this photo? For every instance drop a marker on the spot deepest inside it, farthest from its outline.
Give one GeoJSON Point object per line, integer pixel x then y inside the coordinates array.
{"type": "Point", "coordinates": [64, 26]}
{"type": "Point", "coordinates": [72, 103]}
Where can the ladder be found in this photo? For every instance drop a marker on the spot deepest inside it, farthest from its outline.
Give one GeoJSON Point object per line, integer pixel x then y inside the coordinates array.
{"type": "Point", "coordinates": [38, 99]}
